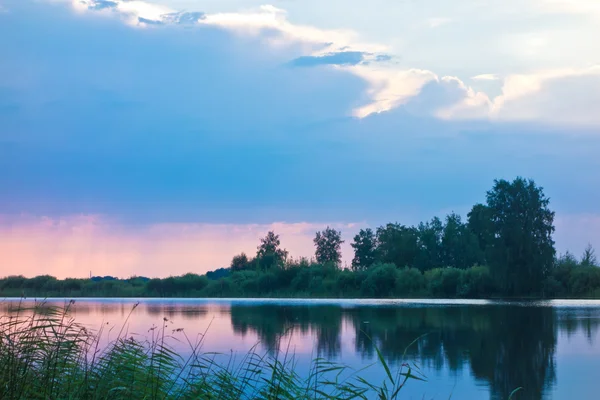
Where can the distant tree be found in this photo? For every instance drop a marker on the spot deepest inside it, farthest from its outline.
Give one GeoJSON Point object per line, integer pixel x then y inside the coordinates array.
{"type": "Point", "coordinates": [269, 252]}
{"type": "Point", "coordinates": [397, 244]}
{"type": "Point", "coordinates": [522, 226]}
{"type": "Point", "coordinates": [240, 262]}
{"type": "Point", "coordinates": [479, 222]}
{"type": "Point", "coordinates": [365, 248]}
{"type": "Point", "coordinates": [430, 244]}
{"type": "Point", "coordinates": [588, 259]}
{"type": "Point", "coordinates": [218, 273]}
{"type": "Point", "coordinates": [460, 246]}
{"type": "Point", "coordinates": [567, 260]}
{"type": "Point", "coordinates": [328, 246]}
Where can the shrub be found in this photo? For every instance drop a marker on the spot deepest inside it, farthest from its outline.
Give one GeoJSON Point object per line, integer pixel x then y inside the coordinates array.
{"type": "Point", "coordinates": [380, 281]}
{"type": "Point", "coordinates": [443, 282]}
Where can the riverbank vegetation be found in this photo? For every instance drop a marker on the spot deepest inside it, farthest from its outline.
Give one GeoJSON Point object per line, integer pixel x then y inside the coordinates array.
{"type": "Point", "coordinates": [503, 248]}
{"type": "Point", "coordinates": [45, 354]}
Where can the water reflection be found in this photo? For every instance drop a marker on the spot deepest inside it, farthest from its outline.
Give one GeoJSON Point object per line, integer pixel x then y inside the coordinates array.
{"type": "Point", "coordinates": [503, 346]}
{"type": "Point", "coordinates": [508, 347]}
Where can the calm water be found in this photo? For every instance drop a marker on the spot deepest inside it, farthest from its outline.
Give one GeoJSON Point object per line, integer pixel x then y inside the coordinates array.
{"type": "Point", "coordinates": [472, 350]}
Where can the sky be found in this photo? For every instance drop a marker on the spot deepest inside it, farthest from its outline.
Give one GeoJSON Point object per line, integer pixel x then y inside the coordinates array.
{"type": "Point", "coordinates": [160, 138]}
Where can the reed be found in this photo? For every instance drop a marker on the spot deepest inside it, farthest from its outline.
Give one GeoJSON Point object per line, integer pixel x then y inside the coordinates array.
{"type": "Point", "coordinates": [46, 354]}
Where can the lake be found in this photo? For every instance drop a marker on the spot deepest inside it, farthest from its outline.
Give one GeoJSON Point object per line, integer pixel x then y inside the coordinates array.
{"type": "Point", "coordinates": [468, 349]}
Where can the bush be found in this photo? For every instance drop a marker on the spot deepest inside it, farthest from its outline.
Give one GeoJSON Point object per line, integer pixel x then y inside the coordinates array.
{"type": "Point", "coordinates": [476, 282]}
{"type": "Point", "coordinates": [444, 282]}
{"type": "Point", "coordinates": [409, 282]}
{"type": "Point", "coordinates": [380, 281]}
{"type": "Point", "coordinates": [584, 280]}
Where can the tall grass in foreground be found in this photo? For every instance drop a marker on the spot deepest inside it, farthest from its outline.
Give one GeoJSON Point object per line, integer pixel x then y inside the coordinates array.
{"type": "Point", "coordinates": [45, 354]}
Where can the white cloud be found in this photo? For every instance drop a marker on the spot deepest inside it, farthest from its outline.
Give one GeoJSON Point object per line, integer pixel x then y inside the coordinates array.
{"type": "Point", "coordinates": [132, 11]}
{"type": "Point", "coordinates": [561, 96]}
{"type": "Point", "coordinates": [473, 105]}
{"type": "Point", "coordinates": [268, 17]}
{"type": "Point", "coordinates": [388, 85]}
{"type": "Point", "coordinates": [486, 77]}
{"type": "Point", "coordinates": [389, 88]}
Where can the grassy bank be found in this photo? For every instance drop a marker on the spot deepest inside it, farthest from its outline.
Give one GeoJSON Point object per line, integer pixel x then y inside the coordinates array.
{"type": "Point", "coordinates": [45, 354]}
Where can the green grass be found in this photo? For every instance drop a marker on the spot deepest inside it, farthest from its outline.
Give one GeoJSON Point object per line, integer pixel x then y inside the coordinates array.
{"type": "Point", "coordinates": [46, 354]}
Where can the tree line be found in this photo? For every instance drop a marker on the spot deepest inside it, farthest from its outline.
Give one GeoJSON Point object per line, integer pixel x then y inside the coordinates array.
{"type": "Point", "coordinates": [504, 248]}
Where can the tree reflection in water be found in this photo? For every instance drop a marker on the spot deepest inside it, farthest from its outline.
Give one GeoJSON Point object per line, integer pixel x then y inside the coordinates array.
{"type": "Point", "coordinates": [505, 346]}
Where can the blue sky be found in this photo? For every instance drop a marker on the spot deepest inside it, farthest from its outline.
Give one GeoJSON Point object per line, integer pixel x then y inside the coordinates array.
{"type": "Point", "coordinates": [212, 116]}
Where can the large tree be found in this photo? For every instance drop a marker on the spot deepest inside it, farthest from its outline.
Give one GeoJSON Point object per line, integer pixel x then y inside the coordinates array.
{"type": "Point", "coordinates": [479, 223]}
{"type": "Point", "coordinates": [364, 246]}
{"type": "Point", "coordinates": [398, 244]}
{"type": "Point", "coordinates": [522, 248]}
{"type": "Point", "coordinates": [269, 252]}
{"type": "Point", "coordinates": [460, 246]}
{"type": "Point", "coordinates": [430, 245]}
{"type": "Point", "coordinates": [328, 246]}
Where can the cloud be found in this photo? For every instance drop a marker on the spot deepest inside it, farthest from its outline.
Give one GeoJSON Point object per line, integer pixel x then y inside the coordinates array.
{"type": "Point", "coordinates": [449, 98]}
{"type": "Point", "coordinates": [74, 246]}
{"type": "Point", "coordinates": [207, 125]}
{"type": "Point", "coordinates": [100, 4]}
{"type": "Point", "coordinates": [422, 93]}
{"type": "Point", "coordinates": [486, 77]}
{"type": "Point", "coordinates": [339, 58]}
{"type": "Point", "coordinates": [184, 18]}
{"type": "Point", "coordinates": [270, 18]}
{"type": "Point", "coordinates": [132, 10]}
{"type": "Point", "coordinates": [390, 88]}
{"type": "Point", "coordinates": [388, 85]}
{"type": "Point", "coordinates": [562, 96]}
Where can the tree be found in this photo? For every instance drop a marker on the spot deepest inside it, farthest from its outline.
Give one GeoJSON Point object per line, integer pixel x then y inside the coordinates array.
{"type": "Point", "coordinates": [479, 222]}
{"type": "Point", "coordinates": [459, 245]}
{"type": "Point", "coordinates": [328, 246]}
{"type": "Point", "coordinates": [567, 260]}
{"type": "Point", "coordinates": [397, 244]}
{"type": "Point", "coordinates": [240, 262]}
{"type": "Point", "coordinates": [269, 253]}
{"type": "Point", "coordinates": [430, 245]}
{"type": "Point", "coordinates": [588, 259]}
{"type": "Point", "coordinates": [522, 248]}
{"type": "Point", "coordinates": [364, 246]}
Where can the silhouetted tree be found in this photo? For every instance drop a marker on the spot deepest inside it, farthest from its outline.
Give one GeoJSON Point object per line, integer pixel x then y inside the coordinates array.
{"type": "Point", "coordinates": [479, 222]}
{"type": "Point", "coordinates": [269, 253]}
{"type": "Point", "coordinates": [365, 247]}
{"type": "Point", "coordinates": [240, 262]}
{"type": "Point", "coordinates": [328, 246]}
{"type": "Point", "coordinates": [589, 257]}
{"type": "Point", "coordinates": [430, 245]}
{"type": "Point", "coordinates": [522, 245]}
{"type": "Point", "coordinates": [459, 245]}
{"type": "Point", "coordinates": [397, 244]}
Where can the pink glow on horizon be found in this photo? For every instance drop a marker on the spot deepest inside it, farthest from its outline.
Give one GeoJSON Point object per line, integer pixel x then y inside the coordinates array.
{"type": "Point", "coordinates": [75, 245]}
